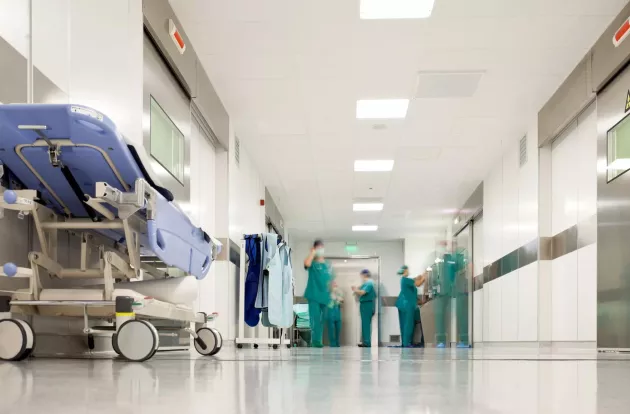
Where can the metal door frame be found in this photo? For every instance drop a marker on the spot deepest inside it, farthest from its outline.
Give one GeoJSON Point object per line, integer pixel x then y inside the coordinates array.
{"type": "Point", "coordinates": [470, 225]}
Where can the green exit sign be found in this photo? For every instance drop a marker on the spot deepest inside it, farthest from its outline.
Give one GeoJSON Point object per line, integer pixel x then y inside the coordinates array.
{"type": "Point", "coordinates": [351, 248]}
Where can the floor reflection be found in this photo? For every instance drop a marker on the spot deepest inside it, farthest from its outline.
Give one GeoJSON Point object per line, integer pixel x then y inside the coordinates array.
{"type": "Point", "coordinates": [322, 381]}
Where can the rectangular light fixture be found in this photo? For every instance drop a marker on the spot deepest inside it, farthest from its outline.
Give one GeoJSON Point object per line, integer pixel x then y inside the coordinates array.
{"type": "Point", "coordinates": [382, 108]}
{"type": "Point", "coordinates": [365, 227]}
{"type": "Point", "coordinates": [396, 9]}
{"type": "Point", "coordinates": [373, 165]}
{"type": "Point", "coordinates": [367, 206]}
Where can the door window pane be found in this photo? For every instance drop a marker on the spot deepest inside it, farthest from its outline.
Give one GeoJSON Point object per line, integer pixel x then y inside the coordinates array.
{"type": "Point", "coordinates": [167, 142]}
{"type": "Point", "coordinates": [619, 149]}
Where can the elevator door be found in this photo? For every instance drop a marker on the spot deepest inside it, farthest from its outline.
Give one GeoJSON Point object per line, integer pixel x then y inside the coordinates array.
{"type": "Point", "coordinates": [347, 274]}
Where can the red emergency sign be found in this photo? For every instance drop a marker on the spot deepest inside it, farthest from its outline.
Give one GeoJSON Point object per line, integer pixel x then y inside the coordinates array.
{"type": "Point", "coordinates": [176, 36]}
{"type": "Point", "coordinates": [622, 33]}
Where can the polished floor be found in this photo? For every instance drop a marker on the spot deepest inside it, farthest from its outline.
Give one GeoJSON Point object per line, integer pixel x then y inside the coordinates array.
{"type": "Point", "coordinates": [345, 381]}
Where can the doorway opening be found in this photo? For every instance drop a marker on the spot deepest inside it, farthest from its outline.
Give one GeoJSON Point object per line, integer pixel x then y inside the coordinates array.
{"type": "Point", "coordinates": [347, 274]}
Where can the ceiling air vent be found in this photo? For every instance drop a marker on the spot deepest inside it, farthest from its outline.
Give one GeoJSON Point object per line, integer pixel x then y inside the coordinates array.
{"type": "Point", "coordinates": [237, 151]}
{"type": "Point", "coordinates": [522, 149]}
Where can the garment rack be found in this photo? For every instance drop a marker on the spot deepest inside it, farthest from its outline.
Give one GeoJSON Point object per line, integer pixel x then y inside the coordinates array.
{"type": "Point", "coordinates": [256, 340]}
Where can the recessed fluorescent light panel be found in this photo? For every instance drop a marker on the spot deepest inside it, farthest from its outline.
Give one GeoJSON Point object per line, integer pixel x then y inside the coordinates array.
{"type": "Point", "coordinates": [382, 108]}
{"type": "Point", "coordinates": [396, 9]}
{"type": "Point", "coordinates": [365, 227]}
{"type": "Point", "coordinates": [367, 206]}
{"type": "Point", "coordinates": [373, 165]}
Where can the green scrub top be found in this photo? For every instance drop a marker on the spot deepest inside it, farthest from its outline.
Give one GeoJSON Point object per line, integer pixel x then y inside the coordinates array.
{"type": "Point", "coordinates": [368, 288]}
{"type": "Point", "coordinates": [408, 297]}
{"type": "Point", "coordinates": [318, 284]}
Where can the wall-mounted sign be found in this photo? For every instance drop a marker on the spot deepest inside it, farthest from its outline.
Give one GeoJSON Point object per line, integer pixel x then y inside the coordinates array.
{"type": "Point", "coordinates": [622, 33]}
{"type": "Point", "coordinates": [628, 101]}
{"type": "Point", "coordinates": [176, 36]}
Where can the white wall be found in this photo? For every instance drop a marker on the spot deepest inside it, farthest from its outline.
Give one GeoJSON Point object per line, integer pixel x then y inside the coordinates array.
{"type": "Point", "coordinates": [92, 50]}
{"type": "Point", "coordinates": [247, 188]}
{"type": "Point", "coordinates": [14, 22]}
{"type": "Point", "coordinates": [574, 200]}
{"type": "Point", "coordinates": [510, 220]}
{"type": "Point", "coordinates": [419, 253]}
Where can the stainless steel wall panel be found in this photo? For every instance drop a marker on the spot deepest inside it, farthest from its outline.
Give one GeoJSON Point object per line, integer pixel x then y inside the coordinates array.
{"type": "Point", "coordinates": [613, 227]}
{"type": "Point", "coordinates": [545, 248]}
{"type": "Point", "coordinates": [156, 19]}
{"type": "Point", "coordinates": [273, 214]}
{"type": "Point", "coordinates": [160, 85]}
{"type": "Point", "coordinates": [478, 283]}
{"type": "Point", "coordinates": [566, 103]}
{"type": "Point", "coordinates": [472, 208]}
{"type": "Point", "coordinates": [564, 242]}
{"type": "Point", "coordinates": [210, 105]}
{"type": "Point", "coordinates": [528, 253]}
{"type": "Point", "coordinates": [186, 67]}
{"type": "Point", "coordinates": [388, 301]}
{"type": "Point", "coordinates": [608, 59]}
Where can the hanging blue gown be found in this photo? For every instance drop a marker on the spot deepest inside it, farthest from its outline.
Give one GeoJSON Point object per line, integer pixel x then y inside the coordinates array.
{"type": "Point", "coordinates": [253, 251]}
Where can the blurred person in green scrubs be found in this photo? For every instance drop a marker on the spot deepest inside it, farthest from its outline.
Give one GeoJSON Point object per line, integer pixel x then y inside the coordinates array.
{"type": "Point", "coordinates": [407, 304]}
{"type": "Point", "coordinates": [334, 316]}
{"type": "Point", "coordinates": [317, 291]}
{"type": "Point", "coordinates": [367, 305]}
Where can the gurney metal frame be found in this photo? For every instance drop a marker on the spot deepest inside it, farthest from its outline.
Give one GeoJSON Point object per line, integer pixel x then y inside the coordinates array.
{"type": "Point", "coordinates": [135, 337]}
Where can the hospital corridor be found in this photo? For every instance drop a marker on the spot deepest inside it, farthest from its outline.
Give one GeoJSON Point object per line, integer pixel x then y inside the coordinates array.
{"type": "Point", "coordinates": [332, 206]}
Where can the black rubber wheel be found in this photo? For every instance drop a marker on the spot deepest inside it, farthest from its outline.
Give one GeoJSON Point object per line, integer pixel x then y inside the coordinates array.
{"type": "Point", "coordinates": [115, 345]}
{"type": "Point", "coordinates": [275, 347]}
{"type": "Point", "coordinates": [14, 333]}
{"type": "Point", "coordinates": [255, 346]}
{"type": "Point", "coordinates": [239, 346]}
{"type": "Point", "coordinates": [90, 339]}
{"type": "Point", "coordinates": [210, 341]}
{"type": "Point", "coordinates": [289, 346]}
{"type": "Point", "coordinates": [29, 351]}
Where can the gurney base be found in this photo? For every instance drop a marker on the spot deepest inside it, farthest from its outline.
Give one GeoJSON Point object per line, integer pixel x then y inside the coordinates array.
{"type": "Point", "coordinates": [154, 327]}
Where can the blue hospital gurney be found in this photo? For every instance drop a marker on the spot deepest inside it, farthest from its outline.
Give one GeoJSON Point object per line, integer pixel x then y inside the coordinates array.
{"type": "Point", "coordinates": [69, 168]}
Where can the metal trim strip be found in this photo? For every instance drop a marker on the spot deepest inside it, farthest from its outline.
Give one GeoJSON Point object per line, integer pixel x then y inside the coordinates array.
{"type": "Point", "coordinates": [544, 248]}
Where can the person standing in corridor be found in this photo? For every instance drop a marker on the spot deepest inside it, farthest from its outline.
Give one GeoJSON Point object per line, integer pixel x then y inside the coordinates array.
{"type": "Point", "coordinates": [367, 297]}
{"type": "Point", "coordinates": [317, 291]}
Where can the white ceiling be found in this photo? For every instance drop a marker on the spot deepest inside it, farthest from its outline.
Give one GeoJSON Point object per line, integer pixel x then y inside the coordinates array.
{"type": "Point", "coordinates": [290, 71]}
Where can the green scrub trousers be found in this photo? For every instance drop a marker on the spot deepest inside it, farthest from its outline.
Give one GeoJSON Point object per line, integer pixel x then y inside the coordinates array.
{"type": "Point", "coordinates": [407, 306]}
{"type": "Point", "coordinates": [366, 309]}
{"type": "Point", "coordinates": [334, 326]}
{"type": "Point", "coordinates": [317, 293]}
{"type": "Point", "coordinates": [316, 317]}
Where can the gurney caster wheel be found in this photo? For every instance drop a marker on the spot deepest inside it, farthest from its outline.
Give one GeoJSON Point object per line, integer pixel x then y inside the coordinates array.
{"type": "Point", "coordinates": [219, 339]}
{"type": "Point", "coordinates": [289, 346]}
{"type": "Point", "coordinates": [115, 344]}
{"type": "Point", "coordinates": [207, 343]}
{"type": "Point", "coordinates": [17, 340]}
{"type": "Point", "coordinates": [136, 340]}
{"type": "Point", "coordinates": [239, 346]}
{"type": "Point", "coordinates": [255, 346]}
{"type": "Point", "coordinates": [275, 346]}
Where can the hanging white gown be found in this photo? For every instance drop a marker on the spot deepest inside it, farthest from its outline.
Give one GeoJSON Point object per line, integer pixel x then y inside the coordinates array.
{"type": "Point", "coordinates": [281, 300]}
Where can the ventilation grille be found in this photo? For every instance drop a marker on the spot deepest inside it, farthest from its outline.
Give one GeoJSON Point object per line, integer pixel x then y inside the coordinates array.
{"type": "Point", "coordinates": [522, 149]}
{"type": "Point", "coordinates": [237, 151]}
